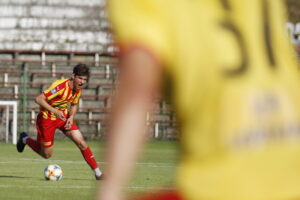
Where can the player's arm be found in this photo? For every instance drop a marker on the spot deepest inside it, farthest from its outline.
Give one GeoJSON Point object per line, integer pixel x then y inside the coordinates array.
{"type": "Point", "coordinates": [42, 101]}
{"type": "Point", "coordinates": [139, 82]}
{"type": "Point", "coordinates": [73, 110]}
{"type": "Point", "coordinates": [72, 113]}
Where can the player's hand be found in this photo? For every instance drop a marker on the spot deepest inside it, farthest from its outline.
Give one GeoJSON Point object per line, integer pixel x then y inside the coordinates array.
{"type": "Point", "coordinates": [69, 123]}
{"type": "Point", "coordinates": [60, 115]}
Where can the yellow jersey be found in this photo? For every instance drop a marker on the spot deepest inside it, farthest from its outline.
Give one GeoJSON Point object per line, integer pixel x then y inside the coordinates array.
{"type": "Point", "coordinates": [59, 95]}
{"type": "Point", "coordinates": [235, 88]}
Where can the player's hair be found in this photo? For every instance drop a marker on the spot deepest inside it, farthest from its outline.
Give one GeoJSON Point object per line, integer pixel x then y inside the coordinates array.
{"type": "Point", "coordinates": [81, 70]}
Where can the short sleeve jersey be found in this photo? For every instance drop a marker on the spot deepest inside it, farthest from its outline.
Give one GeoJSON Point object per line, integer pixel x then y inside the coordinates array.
{"type": "Point", "coordinates": [59, 95]}
{"type": "Point", "coordinates": [235, 88]}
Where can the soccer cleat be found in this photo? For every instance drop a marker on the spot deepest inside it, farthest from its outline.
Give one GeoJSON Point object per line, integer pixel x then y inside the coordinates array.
{"type": "Point", "coordinates": [100, 177]}
{"type": "Point", "coordinates": [20, 144]}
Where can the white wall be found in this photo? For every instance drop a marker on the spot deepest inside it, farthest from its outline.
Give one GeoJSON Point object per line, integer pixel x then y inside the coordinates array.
{"type": "Point", "coordinates": [70, 25]}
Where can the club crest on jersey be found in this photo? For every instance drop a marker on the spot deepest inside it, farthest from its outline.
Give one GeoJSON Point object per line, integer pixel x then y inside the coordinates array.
{"type": "Point", "coordinates": [53, 91]}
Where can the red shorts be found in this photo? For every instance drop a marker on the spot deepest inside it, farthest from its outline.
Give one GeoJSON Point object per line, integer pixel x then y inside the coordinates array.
{"type": "Point", "coordinates": [171, 195]}
{"type": "Point", "coordinates": [46, 129]}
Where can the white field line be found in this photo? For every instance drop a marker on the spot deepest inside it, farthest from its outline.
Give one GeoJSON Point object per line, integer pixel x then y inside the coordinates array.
{"type": "Point", "coordinates": [85, 187]}
{"type": "Point", "coordinates": [148, 164]}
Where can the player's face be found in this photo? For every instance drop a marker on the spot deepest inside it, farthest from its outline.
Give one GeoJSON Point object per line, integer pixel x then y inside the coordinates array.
{"type": "Point", "coordinates": [79, 81]}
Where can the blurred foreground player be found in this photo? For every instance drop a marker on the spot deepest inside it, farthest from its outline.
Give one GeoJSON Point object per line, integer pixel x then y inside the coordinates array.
{"type": "Point", "coordinates": [234, 83]}
{"type": "Point", "coordinates": [58, 106]}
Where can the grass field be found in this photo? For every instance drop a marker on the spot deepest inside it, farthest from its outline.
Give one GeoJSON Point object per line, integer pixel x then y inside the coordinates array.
{"type": "Point", "coordinates": [21, 175]}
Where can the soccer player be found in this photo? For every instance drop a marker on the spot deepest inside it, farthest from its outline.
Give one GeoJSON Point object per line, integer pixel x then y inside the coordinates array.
{"type": "Point", "coordinates": [58, 106]}
{"type": "Point", "coordinates": [233, 80]}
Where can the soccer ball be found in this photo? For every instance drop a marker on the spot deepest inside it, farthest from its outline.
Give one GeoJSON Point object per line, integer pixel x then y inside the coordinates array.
{"type": "Point", "coordinates": [53, 172]}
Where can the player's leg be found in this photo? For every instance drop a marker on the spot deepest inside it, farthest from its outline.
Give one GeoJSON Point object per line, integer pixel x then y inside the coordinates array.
{"type": "Point", "coordinates": [77, 138]}
{"type": "Point", "coordinates": [43, 144]}
{"type": "Point", "coordinates": [46, 152]}
{"type": "Point", "coordinates": [35, 145]}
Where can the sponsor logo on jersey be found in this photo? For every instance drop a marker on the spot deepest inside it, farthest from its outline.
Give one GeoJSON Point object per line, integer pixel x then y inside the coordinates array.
{"type": "Point", "coordinates": [53, 91]}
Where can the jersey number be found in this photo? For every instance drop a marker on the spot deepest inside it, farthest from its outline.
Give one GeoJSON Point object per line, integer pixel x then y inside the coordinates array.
{"type": "Point", "coordinates": [228, 25]}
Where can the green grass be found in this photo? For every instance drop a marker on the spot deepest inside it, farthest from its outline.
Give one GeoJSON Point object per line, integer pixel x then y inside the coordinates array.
{"type": "Point", "coordinates": [21, 175]}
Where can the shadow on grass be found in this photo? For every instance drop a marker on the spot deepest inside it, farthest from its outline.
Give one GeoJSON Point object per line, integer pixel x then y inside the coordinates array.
{"type": "Point", "coordinates": [3, 176]}
{"type": "Point", "coordinates": [41, 179]}
{"type": "Point", "coordinates": [78, 179]}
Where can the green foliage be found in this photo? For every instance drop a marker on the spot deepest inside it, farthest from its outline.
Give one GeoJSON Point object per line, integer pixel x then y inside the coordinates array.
{"type": "Point", "coordinates": [21, 175]}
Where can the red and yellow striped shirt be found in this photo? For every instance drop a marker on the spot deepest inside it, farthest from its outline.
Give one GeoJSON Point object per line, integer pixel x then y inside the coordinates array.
{"type": "Point", "coordinates": [59, 95]}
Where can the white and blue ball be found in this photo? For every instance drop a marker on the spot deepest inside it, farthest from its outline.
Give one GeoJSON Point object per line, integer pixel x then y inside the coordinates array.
{"type": "Point", "coordinates": [53, 172]}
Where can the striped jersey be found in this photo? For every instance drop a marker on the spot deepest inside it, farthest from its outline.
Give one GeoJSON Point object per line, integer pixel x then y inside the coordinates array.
{"type": "Point", "coordinates": [59, 95]}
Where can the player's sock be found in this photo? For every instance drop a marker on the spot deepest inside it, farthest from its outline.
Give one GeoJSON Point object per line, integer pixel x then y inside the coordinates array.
{"type": "Point", "coordinates": [24, 139]}
{"type": "Point", "coordinates": [33, 145]}
{"type": "Point", "coordinates": [89, 158]}
{"type": "Point", "coordinates": [97, 171]}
